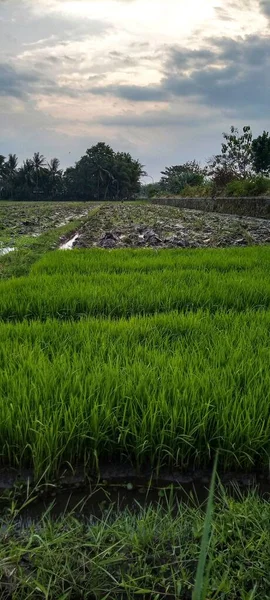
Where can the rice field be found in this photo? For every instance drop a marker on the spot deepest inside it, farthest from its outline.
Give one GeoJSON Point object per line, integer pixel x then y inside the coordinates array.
{"type": "Point", "coordinates": [156, 358]}
{"type": "Point", "coordinates": [145, 361]}
{"type": "Point", "coordinates": [97, 283]}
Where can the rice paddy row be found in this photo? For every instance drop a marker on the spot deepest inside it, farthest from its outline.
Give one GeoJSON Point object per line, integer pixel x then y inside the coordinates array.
{"type": "Point", "coordinates": [163, 390]}
{"type": "Point", "coordinates": [108, 285]}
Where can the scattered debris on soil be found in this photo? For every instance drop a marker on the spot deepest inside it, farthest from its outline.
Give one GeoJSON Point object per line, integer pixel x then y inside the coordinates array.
{"type": "Point", "coordinates": [135, 225]}
{"type": "Point", "coordinates": [34, 218]}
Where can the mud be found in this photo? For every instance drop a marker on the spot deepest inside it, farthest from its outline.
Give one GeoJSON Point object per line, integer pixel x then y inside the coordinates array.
{"type": "Point", "coordinates": [119, 485]}
{"type": "Point", "coordinates": [34, 218]}
{"type": "Point", "coordinates": [134, 225]}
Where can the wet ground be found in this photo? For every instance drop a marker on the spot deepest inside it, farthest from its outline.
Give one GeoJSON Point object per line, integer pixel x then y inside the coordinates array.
{"type": "Point", "coordinates": [129, 224]}
{"type": "Point", "coordinates": [86, 495]}
{"type": "Point", "coordinates": [34, 218]}
{"type": "Point", "coordinates": [124, 225]}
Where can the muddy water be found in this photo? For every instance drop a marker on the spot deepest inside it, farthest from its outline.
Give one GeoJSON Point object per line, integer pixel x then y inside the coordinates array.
{"type": "Point", "coordinates": [91, 500]}
{"type": "Point", "coordinates": [6, 250]}
{"type": "Point", "coordinates": [69, 245]}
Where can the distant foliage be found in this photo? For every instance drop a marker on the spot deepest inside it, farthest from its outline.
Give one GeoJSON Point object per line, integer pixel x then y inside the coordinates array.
{"type": "Point", "coordinates": [235, 159]}
{"type": "Point", "coordinates": [100, 174]}
{"type": "Point", "coordinates": [150, 190]}
{"type": "Point", "coordinates": [256, 186]}
{"type": "Point", "coordinates": [241, 168]}
{"type": "Point", "coordinates": [174, 179]}
{"type": "Point", "coordinates": [261, 153]}
{"type": "Point", "coordinates": [198, 191]}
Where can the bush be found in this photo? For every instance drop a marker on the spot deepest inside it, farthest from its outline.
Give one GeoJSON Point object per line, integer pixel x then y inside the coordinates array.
{"type": "Point", "coordinates": [197, 191]}
{"type": "Point", "coordinates": [248, 187]}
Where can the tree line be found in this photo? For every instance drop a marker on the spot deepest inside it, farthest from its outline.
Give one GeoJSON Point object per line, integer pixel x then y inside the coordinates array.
{"type": "Point", "coordinates": [242, 168]}
{"type": "Point", "coordinates": [99, 175]}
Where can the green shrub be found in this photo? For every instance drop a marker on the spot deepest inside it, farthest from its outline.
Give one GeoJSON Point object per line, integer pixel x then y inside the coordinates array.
{"type": "Point", "coordinates": [197, 191]}
{"type": "Point", "coordinates": [248, 187]}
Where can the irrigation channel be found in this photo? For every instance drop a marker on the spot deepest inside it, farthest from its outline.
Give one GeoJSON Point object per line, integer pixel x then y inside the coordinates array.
{"type": "Point", "coordinates": [120, 487]}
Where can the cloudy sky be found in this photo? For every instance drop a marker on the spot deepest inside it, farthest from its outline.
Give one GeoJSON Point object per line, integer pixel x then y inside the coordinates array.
{"type": "Point", "coordinates": [161, 79]}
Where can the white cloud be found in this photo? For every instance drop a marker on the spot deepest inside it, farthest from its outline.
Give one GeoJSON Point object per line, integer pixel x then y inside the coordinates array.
{"type": "Point", "coordinates": [70, 47]}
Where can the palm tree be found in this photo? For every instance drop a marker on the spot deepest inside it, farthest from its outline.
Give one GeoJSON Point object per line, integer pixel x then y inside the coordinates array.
{"type": "Point", "coordinates": [2, 171]}
{"type": "Point", "coordinates": [28, 172]}
{"type": "Point", "coordinates": [54, 165]}
{"type": "Point", "coordinates": [38, 164]}
{"type": "Point", "coordinates": [55, 173]}
{"type": "Point", "coordinates": [10, 170]}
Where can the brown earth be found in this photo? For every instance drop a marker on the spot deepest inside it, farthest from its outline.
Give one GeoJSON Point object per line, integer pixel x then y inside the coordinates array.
{"type": "Point", "coordinates": [135, 225]}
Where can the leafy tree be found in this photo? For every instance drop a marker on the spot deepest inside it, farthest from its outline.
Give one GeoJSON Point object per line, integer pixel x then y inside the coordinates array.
{"type": "Point", "coordinates": [101, 174]}
{"type": "Point", "coordinates": [221, 174]}
{"type": "Point", "coordinates": [261, 153]}
{"type": "Point", "coordinates": [149, 190]}
{"type": "Point", "coordinates": [100, 159]}
{"type": "Point", "coordinates": [235, 160]}
{"type": "Point", "coordinates": [177, 177]}
{"type": "Point", "coordinates": [126, 176]}
{"type": "Point", "coordinates": [25, 180]}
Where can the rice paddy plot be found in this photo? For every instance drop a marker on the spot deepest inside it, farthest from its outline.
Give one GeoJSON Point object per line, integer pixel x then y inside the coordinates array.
{"type": "Point", "coordinates": [125, 283]}
{"type": "Point", "coordinates": [164, 390]}
{"type": "Point", "coordinates": [85, 262]}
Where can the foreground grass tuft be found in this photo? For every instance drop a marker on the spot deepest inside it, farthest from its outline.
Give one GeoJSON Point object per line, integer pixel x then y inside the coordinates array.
{"type": "Point", "coordinates": [150, 554]}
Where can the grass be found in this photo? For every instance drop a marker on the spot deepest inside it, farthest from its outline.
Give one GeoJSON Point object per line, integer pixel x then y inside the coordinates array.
{"type": "Point", "coordinates": [30, 249]}
{"type": "Point", "coordinates": [166, 390]}
{"type": "Point", "coordinates": [152, 554]}
{"type": "Point", "coordinates": [42, 218]}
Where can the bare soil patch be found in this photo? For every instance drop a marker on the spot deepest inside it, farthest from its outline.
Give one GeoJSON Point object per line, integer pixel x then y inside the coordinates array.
{"type": "Point", "coordinates": [124, 225]}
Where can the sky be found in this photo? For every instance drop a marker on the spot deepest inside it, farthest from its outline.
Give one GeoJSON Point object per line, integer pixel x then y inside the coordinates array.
{"type": "Point", "coordinates": [161, 79]}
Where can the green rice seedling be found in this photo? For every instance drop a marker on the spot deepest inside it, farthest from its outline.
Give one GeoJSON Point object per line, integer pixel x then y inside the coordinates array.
{"type": "Point", "coordinates": [169, 390]}
{"type": "Point", "coordinates": [125, 294]}
{"type": "Point", "coordinates": [96, 260]}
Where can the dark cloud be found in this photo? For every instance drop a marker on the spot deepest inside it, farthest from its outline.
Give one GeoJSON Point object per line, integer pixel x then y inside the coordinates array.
{"type": "Point", "coordinates": [183, 58]}
{"type": "Point", "coordinates": [53, 59]}
{"type": "Point", "coordinates": [135, 93]}
{"type": "Point", "coordinates": [15, 83]}
{"type": "Point", "coordinates": [233, 74]}
{"type": "Point", "coordinates": [149, 119]}
{"type": "Point", "coordinates": [21, 29]}
{"type": "Point", "coordinates": [120, 59]}
{"type": "Point", "coordinates": [265, 7]}
{"type": "Point", "coordinates": [230, 74]}
{"type": "Point", "coordinates": [223, 14]}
